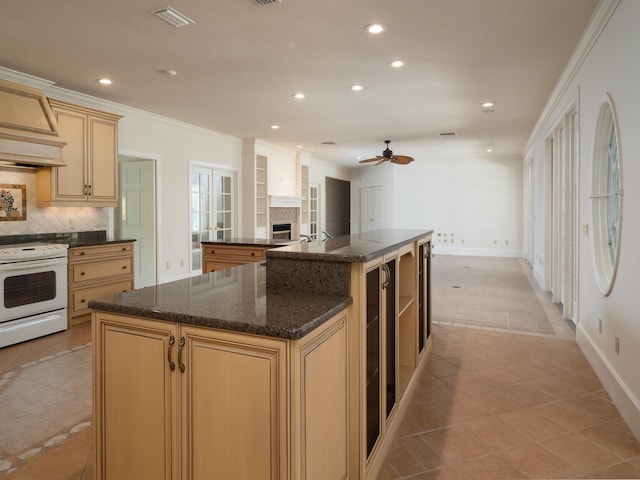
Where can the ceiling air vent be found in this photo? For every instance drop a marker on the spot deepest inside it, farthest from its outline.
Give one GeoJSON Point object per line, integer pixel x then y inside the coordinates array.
{"type": "Point", "coordinates": [262, 3]}
{"type": "Point", "coordinates": [172, 16]}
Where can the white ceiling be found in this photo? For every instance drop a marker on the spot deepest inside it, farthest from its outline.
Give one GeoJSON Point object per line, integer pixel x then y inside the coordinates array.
{"type": "Point", "coordinates": [239, 65]}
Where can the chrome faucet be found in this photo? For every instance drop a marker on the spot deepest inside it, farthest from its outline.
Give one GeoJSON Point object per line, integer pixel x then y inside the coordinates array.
{"type": "Point", "coordinates": [327, 235]}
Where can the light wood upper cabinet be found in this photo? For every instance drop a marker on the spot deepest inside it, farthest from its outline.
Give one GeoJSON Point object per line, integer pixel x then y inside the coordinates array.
{"type": "Point", "coordinates": [91, 155]}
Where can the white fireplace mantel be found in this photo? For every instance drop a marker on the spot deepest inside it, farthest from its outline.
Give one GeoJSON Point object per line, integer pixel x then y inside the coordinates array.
{"type": "Point", "coordinates": [281, 201]}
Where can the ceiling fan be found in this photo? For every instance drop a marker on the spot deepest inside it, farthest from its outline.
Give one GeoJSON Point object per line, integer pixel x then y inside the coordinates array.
{"type": "Point", "coordinates": [388, 156]}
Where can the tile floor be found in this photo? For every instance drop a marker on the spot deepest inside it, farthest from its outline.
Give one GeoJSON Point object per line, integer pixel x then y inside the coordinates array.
{"type": "Point", "coordinates": [506, 394]}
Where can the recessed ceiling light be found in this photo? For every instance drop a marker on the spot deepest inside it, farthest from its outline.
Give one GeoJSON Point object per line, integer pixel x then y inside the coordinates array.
{"type": "Point", "coordinates": [298, 96]}
{"type": "Point", "coordinates": [375, 28]}
{"type": "Point", "coordinates": [170, 73]}
{"type": "Point", "coordinates": [356, 88]}
{"type": "Point", "coordinates": [488, 104]}
{"type": "Point", "coordinates": [398, 63]}
{"type": "Point", "coordinates": [299, 146]}
{"type": "Point", "coordinates": [488, 148]}
{"type": "Point", "coordinates": [104, 81]}
{"type": "Point", "coordinates": [274, 127]}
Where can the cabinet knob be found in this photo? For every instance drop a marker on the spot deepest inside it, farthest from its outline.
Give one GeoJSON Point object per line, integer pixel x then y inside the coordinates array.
{"type": "Point", "coordinates": [82, 253]}
{"type": "Point", "coordinates": [253, 254]}
{"type": "Point", "coordinates": [124, 267]}
{"type": "Point", "coordinates": [82, 301]}
{"type": "Point", "coordinates": [82, 274]}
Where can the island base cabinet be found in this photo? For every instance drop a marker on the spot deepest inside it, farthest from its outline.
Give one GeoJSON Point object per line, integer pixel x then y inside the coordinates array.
{"type": "Point", "coordinates": [187, 403]}
{"type": "Point", "coordinates": [135, 399]}
{"type": "Point", "coordinates": [233, 398]}
{"type": "Point", "coordinates": [320, 410]}
{"type": "Point", "coordinates": [183, 402]}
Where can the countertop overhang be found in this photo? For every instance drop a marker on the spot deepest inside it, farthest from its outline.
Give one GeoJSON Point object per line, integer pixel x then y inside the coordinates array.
{"type": "Point", "coordinates": [359, 247]}
{"type": "Point", "coordinates": [213, 302]}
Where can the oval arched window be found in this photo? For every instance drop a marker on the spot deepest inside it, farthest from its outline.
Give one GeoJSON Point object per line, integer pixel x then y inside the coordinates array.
{"type": "Point", "coordinates": [606, 196]}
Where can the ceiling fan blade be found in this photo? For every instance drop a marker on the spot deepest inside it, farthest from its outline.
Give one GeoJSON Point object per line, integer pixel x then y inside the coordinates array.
{"type": "Point", "coordinates": [401, 159]}
{"type": "Point", "coordinates": [381, 161]}
{"type": "Point", "coordinates": [370, 159]}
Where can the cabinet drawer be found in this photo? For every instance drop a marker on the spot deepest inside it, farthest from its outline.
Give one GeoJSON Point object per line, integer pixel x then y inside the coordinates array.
{"type": "Point", "coordinates": [84, 272]}
{"type": "Point", "coordinates": [81, 298]}
{"type": "Point", "coordinates": [246, 253]}
{"type": "Point", "coordinates": [80, 253]}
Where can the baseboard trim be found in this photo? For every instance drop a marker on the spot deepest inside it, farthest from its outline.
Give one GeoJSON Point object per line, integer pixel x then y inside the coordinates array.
{"type": "Point", "coordinates": [439, 249]}
{"type": "Point", "coordinates": [623, 398]}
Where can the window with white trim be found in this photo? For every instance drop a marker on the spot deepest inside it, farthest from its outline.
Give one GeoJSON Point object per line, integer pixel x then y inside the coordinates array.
{"type": "Point", "coordinates": [606, 196]}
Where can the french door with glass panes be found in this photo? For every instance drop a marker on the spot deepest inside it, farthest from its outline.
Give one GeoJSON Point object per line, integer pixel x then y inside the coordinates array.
{"type": "Point", "coordinates": [212, 209]}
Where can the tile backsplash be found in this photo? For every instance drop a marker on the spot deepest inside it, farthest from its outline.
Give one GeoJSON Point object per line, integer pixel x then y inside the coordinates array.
{"type": "Point", "coordinates": [49, 219]}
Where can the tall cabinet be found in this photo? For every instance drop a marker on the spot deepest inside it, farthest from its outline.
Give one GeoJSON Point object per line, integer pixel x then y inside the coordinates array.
{"type": "Point", "coordinates": [91, 155]}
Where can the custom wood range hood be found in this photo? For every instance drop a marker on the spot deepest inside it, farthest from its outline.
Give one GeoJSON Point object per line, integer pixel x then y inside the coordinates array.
{"type": "Point", "coordinates": [28, 130]}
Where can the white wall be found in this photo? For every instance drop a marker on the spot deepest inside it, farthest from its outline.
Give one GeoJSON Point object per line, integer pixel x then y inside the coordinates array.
{"type": "Point", "coordinates": [610, 66]}
{"type": "Point", "coordinates": [282, 173]}
{"type": "Point", "coordinates": [474, 205]}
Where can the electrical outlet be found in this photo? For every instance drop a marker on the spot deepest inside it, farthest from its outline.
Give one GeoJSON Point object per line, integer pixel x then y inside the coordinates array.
{"type": "Point", "coordinates": [182, 263]}
{"type": "Point", "coordinates": [168, 265]}
{"type": "Point", "coordinates": [462, 241]}
{"type": "Point", "coordinates": [495, 242]}
{"type": "Point", "coordinates": [506, 242]}
{"type": "Point", "coordinates": [72, 223]}
{"type": "Point", "coordinates": [616, 346]}
{"type": "Point", "coordinates": [585, 229]}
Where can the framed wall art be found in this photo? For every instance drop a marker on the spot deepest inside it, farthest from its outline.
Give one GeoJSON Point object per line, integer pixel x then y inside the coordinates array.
{"type": "Point", "coordinates": [13, 202]}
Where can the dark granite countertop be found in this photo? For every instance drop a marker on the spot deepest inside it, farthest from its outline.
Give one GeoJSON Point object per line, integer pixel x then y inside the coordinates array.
{"type": "Point", "coordinates": [253, 242]}
{"type": "Point", "coordinates": [360, 247]}
{"type": "Point", "coordinates": [236, 302]}
{"type": "Point", "coordinates": [73, 239]}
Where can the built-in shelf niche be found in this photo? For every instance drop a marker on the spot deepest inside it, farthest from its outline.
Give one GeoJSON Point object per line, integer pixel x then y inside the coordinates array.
{"type": "Point", "coordinates": [262, 199]}
{"type": "Point", "coordinates": [407, 315]}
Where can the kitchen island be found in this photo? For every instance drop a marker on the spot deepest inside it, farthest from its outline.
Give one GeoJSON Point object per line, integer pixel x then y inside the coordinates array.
{"type": "Point", "coordinates": [212, 377]}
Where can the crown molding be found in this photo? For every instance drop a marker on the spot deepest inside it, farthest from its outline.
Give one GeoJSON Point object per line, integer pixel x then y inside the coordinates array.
{"type": "Point", "coordinates": [78, 98]}
{"type": "Point", "coordinates": [599, 20]}
{"type": "Point", "coordinates": [24, 79]}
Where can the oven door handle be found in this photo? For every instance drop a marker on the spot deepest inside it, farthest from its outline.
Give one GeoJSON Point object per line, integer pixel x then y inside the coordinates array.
{"type": "Point", "coordinates": [6, 267]}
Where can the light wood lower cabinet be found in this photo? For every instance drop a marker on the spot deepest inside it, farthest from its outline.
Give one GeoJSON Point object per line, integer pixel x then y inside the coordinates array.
{"type": "Point", "coordinates": [219, 256]}
{"type": "Point", "coordinates": [184, 402]}
{"type": "Point", "coordinates": [97, 271]}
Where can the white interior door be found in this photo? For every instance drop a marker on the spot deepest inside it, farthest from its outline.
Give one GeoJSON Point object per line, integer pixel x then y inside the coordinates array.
{"type": "Point", "coordinates": [371, 208]}
{"type": "Point", "coordinates": [137, 215]}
